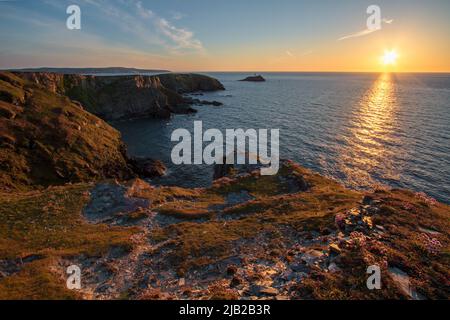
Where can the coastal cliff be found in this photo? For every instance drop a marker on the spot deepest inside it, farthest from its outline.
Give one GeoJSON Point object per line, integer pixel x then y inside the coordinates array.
{"type": "Point", "coordinates": [69, 196]}
{"type": "Point", "coordinates": [47, 139]}
{"type": "Point", "coordinates": [127, 97]}
{"type": "Point", "coordinates": [52, 130]}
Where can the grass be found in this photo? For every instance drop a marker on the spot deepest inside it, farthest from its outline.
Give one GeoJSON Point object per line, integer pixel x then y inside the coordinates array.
{"type": "Point", "coordinates": [199, 244]}
{"type": "Point", "coordinates": [270, 213]}
{"type": "Point", "coordinates": [428, 273]}
{"type": "Point", "coordinates": [49, 224]}
{"type": "Point", "coordinates": [178, 202]}
{"type": "Point", "coordinates": [276, 215]}
{"type": "Point", "coordinates": [11, 88]}
{"type": "Point", "coordinates": [36, 281]}
{"type": "Point", "coordinates": [51, 141]}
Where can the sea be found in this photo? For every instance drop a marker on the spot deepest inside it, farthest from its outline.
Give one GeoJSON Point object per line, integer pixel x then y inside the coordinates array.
{"type": "Point", "coordinates": [364, 130]}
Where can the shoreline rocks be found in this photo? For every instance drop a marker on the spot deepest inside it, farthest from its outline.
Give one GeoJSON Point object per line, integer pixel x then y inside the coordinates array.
{"type": "Point", "coordinates": [148, 168]}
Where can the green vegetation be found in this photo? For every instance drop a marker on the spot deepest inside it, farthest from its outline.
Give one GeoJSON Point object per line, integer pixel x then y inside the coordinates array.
{"type": "Point", "coordinates": [48, 224]}
{"type": "Point", "coordinates": [272, 211]}
{"type": "Point", "coordinates": [46, 139]}
{"type": "Point", "coordinates": [403, 217]}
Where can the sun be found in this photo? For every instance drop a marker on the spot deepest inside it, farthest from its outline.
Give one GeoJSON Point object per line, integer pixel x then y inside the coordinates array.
{"type": "Point", "coordinates": [389, 57]}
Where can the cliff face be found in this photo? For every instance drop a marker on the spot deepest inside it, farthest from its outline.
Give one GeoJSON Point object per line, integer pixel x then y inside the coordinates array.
{"type": "Point", "coordinates": [125, 97]}
{"type": "Point", "coordinates": [50, 133]}
{"type": "Point", "coordinates": [47, 139]}
{"type": "Point", "coordinates": [186, 83]}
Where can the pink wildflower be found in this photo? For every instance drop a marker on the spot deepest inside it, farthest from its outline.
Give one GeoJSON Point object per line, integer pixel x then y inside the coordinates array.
{"type": "Point", "coordinates": [426, 198]}
{"type": "Point", "coordinates": [432, 245]}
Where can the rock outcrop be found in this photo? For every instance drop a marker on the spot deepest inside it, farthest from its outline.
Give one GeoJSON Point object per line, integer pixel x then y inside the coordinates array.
{"type": "Point", "coordinates": [127, 97]}
{"type": "Point", "coordinates": [47, 139]}
{"type": "Point", "coordinates": [51, 132]}
{"type": "Point", "coordinates": [256, 78]}
{"type": "Point", "coordinates": [246, 237]}
{"type": "Point", "coordinates": [187, 83]}
{"type": "Point", "coordinates": [148, 168]}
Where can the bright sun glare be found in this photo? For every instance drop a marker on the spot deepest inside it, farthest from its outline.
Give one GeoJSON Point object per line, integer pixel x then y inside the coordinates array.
{"type": "Point", "coordinates": [390, 57]}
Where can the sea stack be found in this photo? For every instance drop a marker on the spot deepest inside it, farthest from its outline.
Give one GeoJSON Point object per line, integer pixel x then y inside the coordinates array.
{"type": "Point", "coordinates": [255, 78]}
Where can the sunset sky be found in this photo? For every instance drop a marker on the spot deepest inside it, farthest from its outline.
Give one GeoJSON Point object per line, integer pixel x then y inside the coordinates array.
{"type": "Point", "coordinates": [205, 35]}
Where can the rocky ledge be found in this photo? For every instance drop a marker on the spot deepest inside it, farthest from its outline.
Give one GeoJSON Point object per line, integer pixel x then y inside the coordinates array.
{"type": "Point", "coordinates": [47, 139]}
{"type": "Point", "coordinates": [127, 97]}
{"type": "Point", "coordinates": [295, 235]}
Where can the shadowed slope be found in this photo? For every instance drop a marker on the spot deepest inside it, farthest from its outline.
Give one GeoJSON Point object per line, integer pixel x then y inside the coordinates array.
{"type": "Point", "coordinates": [46, 139]}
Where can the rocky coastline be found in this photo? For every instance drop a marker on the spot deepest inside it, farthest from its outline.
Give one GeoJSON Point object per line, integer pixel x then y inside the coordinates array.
{"type": "Point", "coordinates": [53, 128]}
{"type": "Point", "coordinates": [70, 194]}
{"type": "Point", "coordinates": [126, 97]}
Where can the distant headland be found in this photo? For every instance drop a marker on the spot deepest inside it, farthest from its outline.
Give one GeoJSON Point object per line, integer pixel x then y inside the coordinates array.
{"type": "Point", "coordinates": [106, 70]}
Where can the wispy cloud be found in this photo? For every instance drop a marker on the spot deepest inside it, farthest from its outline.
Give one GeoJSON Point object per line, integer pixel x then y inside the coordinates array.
{"type": "Point", "coordinates": [183, 38]}
{"type": "Point", "coordinates": [364, 32]}
{"type": "Point", "coordinates": [134, 18]}
{"type": "Point", "coordinates": [358, 34]}
{"type": "Point", "coordinates": [302, 54]}
{"type": "Point", "coordinates": [307, 53]}
{"type": "Point", "coordinates": [290, 54]}
{"type": "Point", "coordinates": [180, 38]}
{"type": "Point", "coordinates": [141, 37]}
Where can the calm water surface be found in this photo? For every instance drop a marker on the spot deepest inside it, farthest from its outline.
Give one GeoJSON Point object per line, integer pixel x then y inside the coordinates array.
{"type": "Point", "coordinates": [360, 129]}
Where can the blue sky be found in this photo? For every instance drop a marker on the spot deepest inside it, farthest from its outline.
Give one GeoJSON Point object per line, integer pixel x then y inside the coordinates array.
{"type": "Point", "coordinates": [200, 35]}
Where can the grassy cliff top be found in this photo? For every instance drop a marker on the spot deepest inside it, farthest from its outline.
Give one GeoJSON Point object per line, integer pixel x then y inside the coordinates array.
{"type": "Point", "coordinates": [295, 235]}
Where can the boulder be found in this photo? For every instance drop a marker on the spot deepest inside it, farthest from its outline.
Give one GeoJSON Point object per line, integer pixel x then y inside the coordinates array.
{"type": "Point", "coordinates": [263, 290]}
{"type": "Point", "coordinates": [148, 168]}
{"type": "Point", "coordinates": [236, 281]}
{"type": "Point", "coordinates": [335, 248]}
{"type": "Point", "coordinates": [231, 269]}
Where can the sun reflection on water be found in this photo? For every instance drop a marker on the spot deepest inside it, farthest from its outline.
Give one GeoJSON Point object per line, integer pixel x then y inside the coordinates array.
{"type": "Point", "coordinates": [369, 150]}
